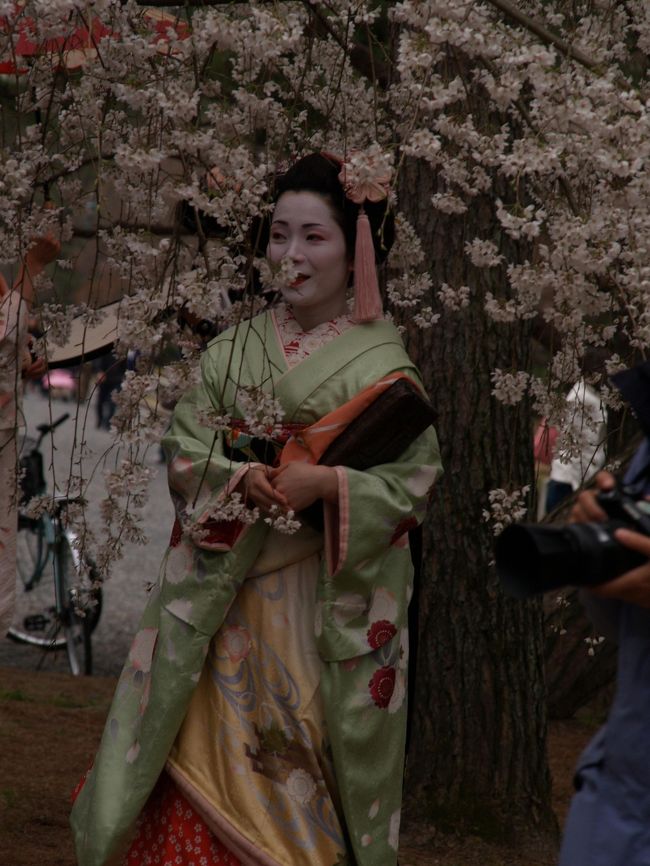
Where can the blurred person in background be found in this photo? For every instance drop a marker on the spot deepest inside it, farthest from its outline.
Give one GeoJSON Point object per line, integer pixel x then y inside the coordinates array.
{"type": "Point", "coordinates": [16, 363]}
{"type": "Point", "coordinates": [110, 372]}
{"type": "Point", "coordinates": [572, 469]}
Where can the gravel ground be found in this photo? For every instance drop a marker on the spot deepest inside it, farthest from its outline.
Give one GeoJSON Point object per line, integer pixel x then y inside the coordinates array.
{"type": "Point", "coordinates": [124, 591]}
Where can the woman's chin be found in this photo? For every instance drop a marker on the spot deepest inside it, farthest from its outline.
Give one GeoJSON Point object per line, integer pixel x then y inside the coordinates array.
{"type": "Point", "coordinates": [295, 296]}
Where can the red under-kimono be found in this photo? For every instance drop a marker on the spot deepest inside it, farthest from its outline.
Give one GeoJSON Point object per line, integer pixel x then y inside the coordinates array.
{"type": "Point", "coordinates": [170, 833]}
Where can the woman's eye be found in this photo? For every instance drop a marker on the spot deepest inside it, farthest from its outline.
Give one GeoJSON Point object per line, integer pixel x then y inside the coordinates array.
{"type": "Point", "coordinates": [314, 238]}
{"type": "Point", "coordinates": [276, 236]}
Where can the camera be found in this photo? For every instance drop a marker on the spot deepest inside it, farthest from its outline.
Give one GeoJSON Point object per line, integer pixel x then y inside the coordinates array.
{"type": "Point", "coordinates": [533, 558]}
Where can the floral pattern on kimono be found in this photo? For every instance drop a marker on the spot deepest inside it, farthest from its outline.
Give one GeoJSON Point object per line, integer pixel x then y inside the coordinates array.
{"type": "Point", "coordinates": [298, 344]}
{"type": "Point", "coordinates": [363, 587]}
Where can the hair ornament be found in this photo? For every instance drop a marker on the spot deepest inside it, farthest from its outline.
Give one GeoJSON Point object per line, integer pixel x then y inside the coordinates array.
{"type": "Point", "coordinates": [365, 177]}
{"type": "Point", "coordinates": [369, 189]}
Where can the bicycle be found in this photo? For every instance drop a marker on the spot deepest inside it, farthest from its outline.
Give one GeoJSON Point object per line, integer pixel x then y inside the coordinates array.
{"type": "Point", "coordinates": [52, 611]}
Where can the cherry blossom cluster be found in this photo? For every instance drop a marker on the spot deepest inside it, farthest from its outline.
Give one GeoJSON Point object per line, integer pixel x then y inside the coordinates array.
{"type": "Point", "coordinates": [506, 507]}
{"type": "Point", "coordinates": [150, 141]}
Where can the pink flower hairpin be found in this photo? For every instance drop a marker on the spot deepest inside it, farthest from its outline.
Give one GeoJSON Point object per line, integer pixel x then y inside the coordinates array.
{"type": "Point", "coordinates": [365, 177]}
{"type": "Point", "coordinates": [366, 190]}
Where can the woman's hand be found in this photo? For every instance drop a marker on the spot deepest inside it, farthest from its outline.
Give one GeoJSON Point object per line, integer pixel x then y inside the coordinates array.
{"type": "Point", "coordinates": [301, 484]}
{"type": "Point", "coordinates": [632, 586]}
{"type": "Point", "coordinates": [256, 487]}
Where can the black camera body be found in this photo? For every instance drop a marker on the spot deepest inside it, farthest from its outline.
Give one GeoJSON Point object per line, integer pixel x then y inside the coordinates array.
{"type": "Point", "coordinates": [532, 558]}
{"type": "Point", "coordinates": [622, 505]}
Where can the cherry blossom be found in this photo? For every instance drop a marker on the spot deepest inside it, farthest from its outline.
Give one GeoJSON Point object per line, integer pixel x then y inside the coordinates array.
{"type": "Point", "coordinates": [194, 120]}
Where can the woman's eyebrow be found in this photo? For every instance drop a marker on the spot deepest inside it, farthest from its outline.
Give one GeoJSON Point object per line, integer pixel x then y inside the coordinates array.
{"type": "Point", "coordinates": [304, 225]}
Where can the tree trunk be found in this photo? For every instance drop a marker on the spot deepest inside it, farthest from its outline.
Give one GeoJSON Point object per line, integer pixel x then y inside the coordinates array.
{"type": "Point", "coordinates": [478, 753]}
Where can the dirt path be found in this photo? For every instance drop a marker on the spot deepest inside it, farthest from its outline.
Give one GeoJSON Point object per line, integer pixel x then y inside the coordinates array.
{"type": "Point", "coordinates": [50, 725]}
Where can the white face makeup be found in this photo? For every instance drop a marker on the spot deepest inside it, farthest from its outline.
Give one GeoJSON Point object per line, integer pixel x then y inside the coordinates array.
{"type": "Point", "coordinates": [305, 231]}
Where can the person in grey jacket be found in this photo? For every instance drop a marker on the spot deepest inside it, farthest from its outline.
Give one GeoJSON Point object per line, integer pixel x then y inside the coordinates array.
{"type": "Point", "coordinates": [609, 819]}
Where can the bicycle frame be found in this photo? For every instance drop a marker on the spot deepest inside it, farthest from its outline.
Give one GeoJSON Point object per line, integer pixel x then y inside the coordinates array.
{"type": "Point", "coordinates": [55, 546]}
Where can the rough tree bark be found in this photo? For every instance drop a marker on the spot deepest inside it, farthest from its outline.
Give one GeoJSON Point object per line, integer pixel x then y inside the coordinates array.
{"type": "Point", "coordinates": [478, 755]}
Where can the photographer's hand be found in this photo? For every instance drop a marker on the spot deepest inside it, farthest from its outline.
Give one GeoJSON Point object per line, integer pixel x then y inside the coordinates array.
{"type": "Point", "coordinates": [586, 508]}
{"type": "Point", "coordinates": [634, 585]}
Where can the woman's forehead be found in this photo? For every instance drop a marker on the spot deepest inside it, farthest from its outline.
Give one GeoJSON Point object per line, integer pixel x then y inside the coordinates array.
{"type": "Point", "coordinates": [303, 207]}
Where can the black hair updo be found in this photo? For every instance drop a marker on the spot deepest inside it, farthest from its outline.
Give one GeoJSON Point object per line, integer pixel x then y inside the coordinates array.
{"type": "Point", "coordinates": [318, 173]}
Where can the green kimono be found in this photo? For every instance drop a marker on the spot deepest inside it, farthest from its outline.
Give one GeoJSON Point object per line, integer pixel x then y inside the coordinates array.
{"type": "Point", "coordinates": [357, 623]}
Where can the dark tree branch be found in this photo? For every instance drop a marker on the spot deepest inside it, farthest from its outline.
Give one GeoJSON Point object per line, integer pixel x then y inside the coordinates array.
{"type": "Point", "coordinates": [543, 33]}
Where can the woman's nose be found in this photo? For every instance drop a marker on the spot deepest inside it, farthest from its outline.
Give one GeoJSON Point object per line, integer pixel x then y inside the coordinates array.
{"type": "Point", "coordinates": [294, 251]}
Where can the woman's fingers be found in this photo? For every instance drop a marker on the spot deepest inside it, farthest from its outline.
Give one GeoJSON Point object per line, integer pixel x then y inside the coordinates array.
{"type": "Point", "coordinates": [260, 489]}
{"type": "Point", "coordinates": [272, 474]}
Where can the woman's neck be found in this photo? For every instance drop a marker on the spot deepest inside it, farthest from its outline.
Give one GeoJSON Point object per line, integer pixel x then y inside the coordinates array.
{"type": "Point", "coordinates": [309, 319]}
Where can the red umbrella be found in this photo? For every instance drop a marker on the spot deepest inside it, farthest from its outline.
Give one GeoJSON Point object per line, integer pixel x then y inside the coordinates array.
{"type": "Point", "coordinates": [79, 47]}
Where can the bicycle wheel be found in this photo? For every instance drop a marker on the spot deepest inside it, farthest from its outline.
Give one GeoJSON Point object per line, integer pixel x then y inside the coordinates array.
{"type": "Point", "coordinates": [57, 605]}
{"type": "Point", "coordinates": [31, 551]}
{"type": "Point", "coordinates": [35, 619]}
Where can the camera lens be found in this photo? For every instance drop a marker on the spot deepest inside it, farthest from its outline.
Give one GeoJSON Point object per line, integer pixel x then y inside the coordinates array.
{"type": "Point", "coordinates": [533, 559]}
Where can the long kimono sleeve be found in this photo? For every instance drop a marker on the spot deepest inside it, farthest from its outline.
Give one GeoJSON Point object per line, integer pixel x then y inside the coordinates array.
{"type": "Point", "coordinates": [363, 639]}
{"type": "Point", "coordinates": [394, 495]}
{"type": "Point", "coordinates": [368, 577]}
{"type": "Point", "coordinates": [200, 475]}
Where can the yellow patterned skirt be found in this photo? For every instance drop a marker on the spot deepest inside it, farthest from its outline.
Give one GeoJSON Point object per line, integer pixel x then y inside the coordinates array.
{"type": "Point", "coordinates": [252, 756]}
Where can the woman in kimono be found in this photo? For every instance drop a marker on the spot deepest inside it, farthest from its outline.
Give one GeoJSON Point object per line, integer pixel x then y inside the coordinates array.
{"type": "Point", "coordinates": [261, 716]}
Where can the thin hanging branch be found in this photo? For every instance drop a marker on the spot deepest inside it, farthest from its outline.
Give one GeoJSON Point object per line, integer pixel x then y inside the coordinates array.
{"type": "Point", "coordinates": [545, 34]}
